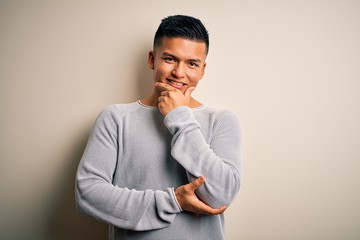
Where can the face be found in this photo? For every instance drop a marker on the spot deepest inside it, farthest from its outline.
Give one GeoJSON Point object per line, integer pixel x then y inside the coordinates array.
{"type": "Point", "coordinates": [178, 62]}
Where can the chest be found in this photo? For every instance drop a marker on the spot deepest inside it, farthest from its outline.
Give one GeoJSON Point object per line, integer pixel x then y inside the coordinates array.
{"type": "Point", "coordinates": [144, 158]}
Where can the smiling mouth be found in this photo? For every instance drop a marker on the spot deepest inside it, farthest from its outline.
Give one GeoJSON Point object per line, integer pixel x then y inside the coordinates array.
{"type": "Point", "coordinates": [176, 84]}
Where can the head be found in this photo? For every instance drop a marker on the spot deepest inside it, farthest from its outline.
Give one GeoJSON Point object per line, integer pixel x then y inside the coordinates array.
{"type": "Point", "coordinates": [180, 26]}
{"type": "Point", "coordinates": [180, 50]}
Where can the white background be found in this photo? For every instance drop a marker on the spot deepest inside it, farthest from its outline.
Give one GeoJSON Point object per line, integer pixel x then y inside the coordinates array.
{"type": "Point", "coordinates": [288, 69]}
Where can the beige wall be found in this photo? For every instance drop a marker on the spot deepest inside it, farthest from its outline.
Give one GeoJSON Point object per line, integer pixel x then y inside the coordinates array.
{"type": "Point", "coordinates": [289, 69]}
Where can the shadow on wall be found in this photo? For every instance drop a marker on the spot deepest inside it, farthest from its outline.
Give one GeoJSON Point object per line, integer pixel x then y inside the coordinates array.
{"type": "Point", "coordinates": [64, 221]}
{"type": "Point", "coordinates": [145, 80]}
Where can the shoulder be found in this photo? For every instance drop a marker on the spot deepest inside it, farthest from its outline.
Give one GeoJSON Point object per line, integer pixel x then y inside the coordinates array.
{"type": "Point", "coordinates": [118, 110]}
{"type": "Point", "coordinates": [219, 120]}
{"type": "Point", "coordinates": [217, 115]}
{"type": "Point", "coordinates": [112, 114]}
{"type": "Point", "coordinates": [224, 122]}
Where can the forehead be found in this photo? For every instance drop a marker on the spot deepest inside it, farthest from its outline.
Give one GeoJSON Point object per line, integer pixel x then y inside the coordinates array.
{"type": "Point", "coordinates": [182, 48]}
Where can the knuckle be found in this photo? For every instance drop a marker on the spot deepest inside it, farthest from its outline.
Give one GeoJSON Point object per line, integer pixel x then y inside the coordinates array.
{"type": "Point", "coordinates": [183, 190]}
{"type": "Point", "coordinates": [187, 188]}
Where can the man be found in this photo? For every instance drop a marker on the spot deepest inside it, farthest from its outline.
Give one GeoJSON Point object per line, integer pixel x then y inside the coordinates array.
{"type": "Point", "coordinates": [166, 166]}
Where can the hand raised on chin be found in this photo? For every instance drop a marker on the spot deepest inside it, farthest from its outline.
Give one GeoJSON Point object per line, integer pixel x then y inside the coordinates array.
{"type": "Point", "coordinates": [171, 98]}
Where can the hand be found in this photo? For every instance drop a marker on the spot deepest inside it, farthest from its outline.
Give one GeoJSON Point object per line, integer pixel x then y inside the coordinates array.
{"type": "Point", "coordinates": [171, 98]}
{"type": "Point", "coordinates": [188, 200]}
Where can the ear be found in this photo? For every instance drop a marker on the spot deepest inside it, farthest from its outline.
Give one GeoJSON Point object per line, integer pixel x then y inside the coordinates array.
{"type": "Point", "coordinates": [203, 70]}
{"type": "Point", "coordinates": [151, 60]}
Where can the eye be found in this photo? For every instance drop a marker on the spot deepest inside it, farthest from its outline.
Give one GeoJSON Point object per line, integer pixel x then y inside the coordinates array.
{"type": "Point", "coordinates": [193, 64]}
{"type": "Point", "coordinates": [169, 59]}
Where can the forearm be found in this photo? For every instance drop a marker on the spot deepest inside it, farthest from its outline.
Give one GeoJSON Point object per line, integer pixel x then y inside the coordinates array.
{"type": "Point", "coordinates": [218, 161]}
{"type": "Point", "coordinates": [98, 197]}
{"type": "Point", "coordinates": [125, 208]}
{"type": "Point", "coordinates": [222, 177]}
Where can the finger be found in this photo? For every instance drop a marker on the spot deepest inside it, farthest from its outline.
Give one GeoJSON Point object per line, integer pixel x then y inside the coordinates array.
{"type": "Point", "coordinates": [164, 93]}
{"type": "Point", "coordinates": [163, 86]}
{"type": "Point", "coordinates": [215, 211]}
{"type": "Point", "coordinates": [189, 91]}
{"type": "Point", "coordinates": [206, 209]}
{"type": "Point", "coordinates": [196, 183]}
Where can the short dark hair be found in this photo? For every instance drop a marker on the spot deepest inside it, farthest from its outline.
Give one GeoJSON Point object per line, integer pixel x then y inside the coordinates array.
{"type": "Point", "coordinates": [181, 26]}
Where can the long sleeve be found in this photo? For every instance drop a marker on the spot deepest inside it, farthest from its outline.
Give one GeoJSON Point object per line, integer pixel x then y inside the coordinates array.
{"type": "Point", "coordinates": [218, 160]}
{"type": "Point", "coordinates": [96, 195]}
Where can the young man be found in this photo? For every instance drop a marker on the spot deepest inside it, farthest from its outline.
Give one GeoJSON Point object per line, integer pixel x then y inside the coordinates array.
{"type": "Point", "coordinates": [166, 166]}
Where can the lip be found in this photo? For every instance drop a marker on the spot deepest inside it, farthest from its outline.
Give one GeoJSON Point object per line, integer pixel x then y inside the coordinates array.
{"type": "Point", "coordinates": [175, 84]}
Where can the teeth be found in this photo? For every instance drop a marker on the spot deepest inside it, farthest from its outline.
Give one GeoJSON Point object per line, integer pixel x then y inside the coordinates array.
{"type": "Point", "coordinates": [177, 83]}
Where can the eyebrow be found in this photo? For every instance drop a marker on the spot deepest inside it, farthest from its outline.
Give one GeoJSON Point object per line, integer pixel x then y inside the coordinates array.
{"type": "Point", "coordinates": [173, 56]}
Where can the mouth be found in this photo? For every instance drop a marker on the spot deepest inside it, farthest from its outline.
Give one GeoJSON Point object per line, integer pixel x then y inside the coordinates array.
{"type": "Point", "coordinates": [176, 84]}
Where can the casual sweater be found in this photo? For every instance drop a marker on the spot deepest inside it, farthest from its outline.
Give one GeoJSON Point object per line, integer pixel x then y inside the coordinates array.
{"type": "Point", "coordinates": [135, 158]}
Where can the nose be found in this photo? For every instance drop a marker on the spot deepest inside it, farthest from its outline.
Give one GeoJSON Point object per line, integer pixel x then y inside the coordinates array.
{"type": "Point", "coordinates": [179, 70]}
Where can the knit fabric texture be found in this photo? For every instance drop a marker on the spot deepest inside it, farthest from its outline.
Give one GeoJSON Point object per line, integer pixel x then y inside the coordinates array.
{"type": "Point", "coordinates": [135, 158]}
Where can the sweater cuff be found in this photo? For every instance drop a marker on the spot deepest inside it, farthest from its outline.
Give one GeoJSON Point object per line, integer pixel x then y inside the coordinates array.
{"type": "Point", "coordinates": [180, 118]}
{"type": "Point", "coordinates": [175, 199]}
{"type": "Point", "coordinates": [167, 203]}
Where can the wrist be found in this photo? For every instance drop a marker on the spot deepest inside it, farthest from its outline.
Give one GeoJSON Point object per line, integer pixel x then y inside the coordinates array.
{"type": "Point", "coordinates": [176, 199]}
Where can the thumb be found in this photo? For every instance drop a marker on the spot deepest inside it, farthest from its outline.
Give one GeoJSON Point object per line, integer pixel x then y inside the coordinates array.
{"type": "Point", "coordinates": [189, 91]}
{"type": "Point", "coordinates": [197, 183]}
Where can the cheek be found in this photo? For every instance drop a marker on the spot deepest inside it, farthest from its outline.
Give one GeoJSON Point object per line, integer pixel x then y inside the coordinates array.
{"type": "Point", "coordinates": [194, 76]}
{"type": "Point", "coordinates": [163, 70]}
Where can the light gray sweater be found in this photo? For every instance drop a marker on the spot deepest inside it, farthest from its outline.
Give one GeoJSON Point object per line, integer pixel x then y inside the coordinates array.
{"type": "Point", "coordinates": [135, 158]}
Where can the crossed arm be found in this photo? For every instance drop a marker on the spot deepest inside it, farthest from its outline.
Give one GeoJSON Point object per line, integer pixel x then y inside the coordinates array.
{"type": "Point", "coordinates": [197, 157]}
{"type": "Point", "coordinates": [188, 200]}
